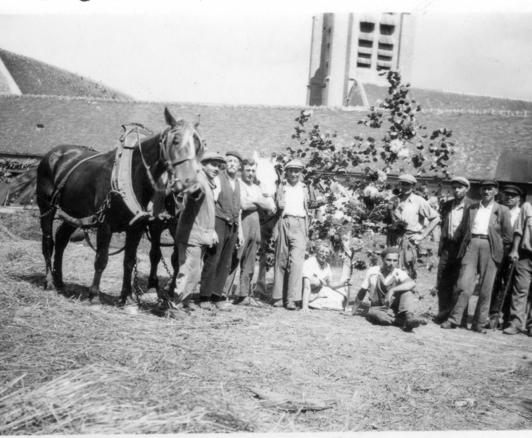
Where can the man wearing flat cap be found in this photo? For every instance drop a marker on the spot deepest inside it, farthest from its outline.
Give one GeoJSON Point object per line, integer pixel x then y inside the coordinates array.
{"type": "Point", "coordinates": [406, 231]}
{"type": "Point", "coordinates": [195, 234]}
{"type": "Point", "coordinates": [449, 265]}
{"type": "Point", "coordinates": [511, 197]}
{"type": "Point", "coordinates": [293, 199]}
{"type": "Point", "coordinates": [484, 231]}
{"type": "Point", "coordinates": [390, 293]}
{"type": "Point", "coordinates": [227, 225]}
{"type": "Point", "coordinates": [521, 256]}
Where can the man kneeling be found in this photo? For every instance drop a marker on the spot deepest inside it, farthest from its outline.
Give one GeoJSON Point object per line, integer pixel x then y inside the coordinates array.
{"type": "Point", "coordinates": [390, 293]}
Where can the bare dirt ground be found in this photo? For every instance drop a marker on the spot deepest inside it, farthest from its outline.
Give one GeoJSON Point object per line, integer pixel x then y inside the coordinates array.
{"type": "Point", "coordinates": [68, 367]}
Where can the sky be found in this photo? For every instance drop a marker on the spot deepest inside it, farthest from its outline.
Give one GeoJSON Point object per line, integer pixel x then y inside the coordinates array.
{"type": "Point", "coordinates": [257, 52]}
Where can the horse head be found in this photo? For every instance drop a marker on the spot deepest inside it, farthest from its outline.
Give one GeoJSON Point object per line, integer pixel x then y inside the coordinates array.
{"type": "Point", "coordinates": [182, 148]}
{"type": "Point", "coordinates": [267, 176]}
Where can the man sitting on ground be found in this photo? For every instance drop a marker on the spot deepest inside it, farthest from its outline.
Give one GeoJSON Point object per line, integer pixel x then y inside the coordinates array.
{"type": "Point", "coordinates": [390, 293]}
{"type": "Point", "coordinates": [319, 292]}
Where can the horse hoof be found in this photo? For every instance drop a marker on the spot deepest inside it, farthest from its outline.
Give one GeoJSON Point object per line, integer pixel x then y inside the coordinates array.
{"type": "Point", "coordinates": [150, 297]}
{"type": "Point", "coordinates": [95, 301]}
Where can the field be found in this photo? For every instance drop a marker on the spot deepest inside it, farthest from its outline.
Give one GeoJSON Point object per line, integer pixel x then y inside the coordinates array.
{"type": "Point", "coordinates": [67, 367]}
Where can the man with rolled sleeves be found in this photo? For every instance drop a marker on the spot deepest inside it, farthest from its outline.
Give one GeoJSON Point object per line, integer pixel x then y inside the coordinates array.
{"type": "Point", "coordinates": [407, 230]}
{"type": "Point", "coordinates": [511, 195]}
{"type": "Point", "coordinates": [390, 293]}
{"type": "Point", "coordinates": [294, 199]}
{"type": "Point", "coordinates": [449, 265]}
{"type": "Point", "coordinates": [484, 231]}
{"type": "Point", "coordinates": [521, 255]}
{"type": "Point", "coordinates": [227, 226]}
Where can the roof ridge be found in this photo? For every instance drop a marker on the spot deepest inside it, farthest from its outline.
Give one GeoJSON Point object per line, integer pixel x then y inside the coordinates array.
{"type": "Point", "coordinates": [88, 79]}
{"type": "Point", "coordinates": [470, 94]}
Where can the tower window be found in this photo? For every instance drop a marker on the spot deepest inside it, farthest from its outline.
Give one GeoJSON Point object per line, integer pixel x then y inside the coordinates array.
{"type": "Point", "coordinates": [365, 43]}
{"type": "Point", "coordinates": [387, 29]}
{"type": "Point", "coordinates": [384, 46]}
{"type": "Point", "coordinates": [367, 27]}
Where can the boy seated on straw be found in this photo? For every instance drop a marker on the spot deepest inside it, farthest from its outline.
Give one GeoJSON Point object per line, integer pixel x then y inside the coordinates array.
{"type": "Point", "coordinates": [319, 292]}
{"type": "Point", "coordinates": [390, 294]}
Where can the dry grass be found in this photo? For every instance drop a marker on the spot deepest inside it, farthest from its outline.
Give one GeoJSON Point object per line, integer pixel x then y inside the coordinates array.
{"type": "Point", "coordinates": [67, 367]}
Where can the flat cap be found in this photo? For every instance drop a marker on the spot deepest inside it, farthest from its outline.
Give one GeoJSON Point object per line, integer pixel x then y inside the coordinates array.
{"type": "Point", "coordinates": [212, 156]}
{"type": "Point", "coordinates": [407, 178]}
{"type": "Point", "coordinates": [294, 164]}
{"type": "Point", "coordinates": [489, 182]}
{"type": "Point", "coordinates": [389, 250]}
{"type": "Point", "coordinates": [234, 154]}
{"type": "Point", "coordinates": [512, 189]}
{"type": "Point", "coordinates": [461, 180]}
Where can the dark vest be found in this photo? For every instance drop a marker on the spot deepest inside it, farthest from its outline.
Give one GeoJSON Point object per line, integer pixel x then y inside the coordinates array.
{"type": "Point", "coordinates": [228, 204]}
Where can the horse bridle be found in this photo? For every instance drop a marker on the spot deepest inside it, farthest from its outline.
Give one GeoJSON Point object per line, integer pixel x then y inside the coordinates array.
{"type": "Point", "coordinates": [165, 145]}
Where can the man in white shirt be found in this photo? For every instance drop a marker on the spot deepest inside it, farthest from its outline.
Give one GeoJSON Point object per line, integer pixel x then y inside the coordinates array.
{"type": "Point", "coordinates": [409, 213]}
{"type": "Point", "coordinates": [390, 294]}
{"type": "Point", "coordinates": [484, 232]}
{"type": "Point", "coordinates": [251, 202]}
{"type": "Point", "coordinates": [294, 199]}
{"type": "Point", "coordinates": [319, 291]}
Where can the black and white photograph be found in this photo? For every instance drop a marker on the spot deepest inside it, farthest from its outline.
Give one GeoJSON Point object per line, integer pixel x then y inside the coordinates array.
{"type": "Point", "coordinates": [269, 217]}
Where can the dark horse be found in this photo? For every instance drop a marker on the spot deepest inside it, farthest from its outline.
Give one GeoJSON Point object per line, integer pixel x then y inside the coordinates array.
{"type": "Point", "coordinates": [85, 192]}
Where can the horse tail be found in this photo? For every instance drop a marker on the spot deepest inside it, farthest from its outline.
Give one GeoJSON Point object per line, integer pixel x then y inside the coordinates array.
{"type": "Point", "coordinates": [23, 187]}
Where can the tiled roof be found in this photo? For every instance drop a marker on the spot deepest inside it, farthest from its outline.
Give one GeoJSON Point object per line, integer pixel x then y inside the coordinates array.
{"type": "Point", "coordinates": [35, 77]}
{"type": "Point", "coordinates": [97, 123]}
{"type": "Point", "coordinates": [444, 100]}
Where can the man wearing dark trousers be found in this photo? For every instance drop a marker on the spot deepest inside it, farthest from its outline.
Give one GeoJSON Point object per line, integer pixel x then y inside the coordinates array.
{"type": "Point", "coordinates": [511, 196]}
{"type": "Point", "coordinates": [485, 229]}
{"type": "Point", "coordinates": [227, 225]}
{"type": "Point", "coordinates": [449, 266]}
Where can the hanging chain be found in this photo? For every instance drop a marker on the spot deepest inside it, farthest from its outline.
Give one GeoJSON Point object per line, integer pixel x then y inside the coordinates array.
{"type": "Point", "coordinates": [166, 267]}
{"type": "Point", "coordinates": [53, 208]}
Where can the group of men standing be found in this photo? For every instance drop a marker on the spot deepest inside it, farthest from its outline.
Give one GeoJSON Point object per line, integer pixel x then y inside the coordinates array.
{"type": "Point", "coordinates": [480, 241]}
{"type": "Point", "coordinates": [219, 231]}
{"type": "Point", "coordinates": [482, 244]}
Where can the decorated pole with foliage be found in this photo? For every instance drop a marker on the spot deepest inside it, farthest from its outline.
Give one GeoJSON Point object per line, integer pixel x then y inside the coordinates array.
{"type": "Point", "coordinates": [360, 206]}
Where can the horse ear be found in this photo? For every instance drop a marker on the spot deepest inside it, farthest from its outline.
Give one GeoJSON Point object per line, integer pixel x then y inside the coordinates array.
{"type": "Point", "coordinates": [196, 123]}
{"type": "Point", "coordinates": [255, 156]}
{"type": "Point", "coordinates": [169, 118]}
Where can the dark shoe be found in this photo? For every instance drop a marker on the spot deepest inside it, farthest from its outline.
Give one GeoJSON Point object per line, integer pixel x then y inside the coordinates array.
{"type": "Point", "coordinates": [223, 306]}
{"type": "Point", "coordinates": [413, 323]}
{"type": "Point", "coordinates": [291, 305]}
{"type": "Point", "coordinates": [477, 329]}
{"type": "Point", "coordinates": [440, 317]}
{"type": "Point", "coordinates": [239, 301]}
{"type": "Point", "coordinates": [277, 303]}
{"type": "Point", "coordinates": [511, 330]}
{"type": "Point", "coordinates": [448, 325]}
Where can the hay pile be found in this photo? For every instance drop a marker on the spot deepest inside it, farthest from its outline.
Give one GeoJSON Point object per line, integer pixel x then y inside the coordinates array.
{"type": "Point", "coordinates": [67, 367]}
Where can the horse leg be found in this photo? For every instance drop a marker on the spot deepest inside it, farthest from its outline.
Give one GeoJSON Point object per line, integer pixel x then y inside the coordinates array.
{"type": "Point", "coordinates": [133, 237]}
{"type": "Point", "coordinates": [156, 229]}
{"type": "Point", "coordinates": [62, 237]}
{"type": "Point", "coordinates": [47, 224]}
{"type": "Point", "coordinates": [103, 239]}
